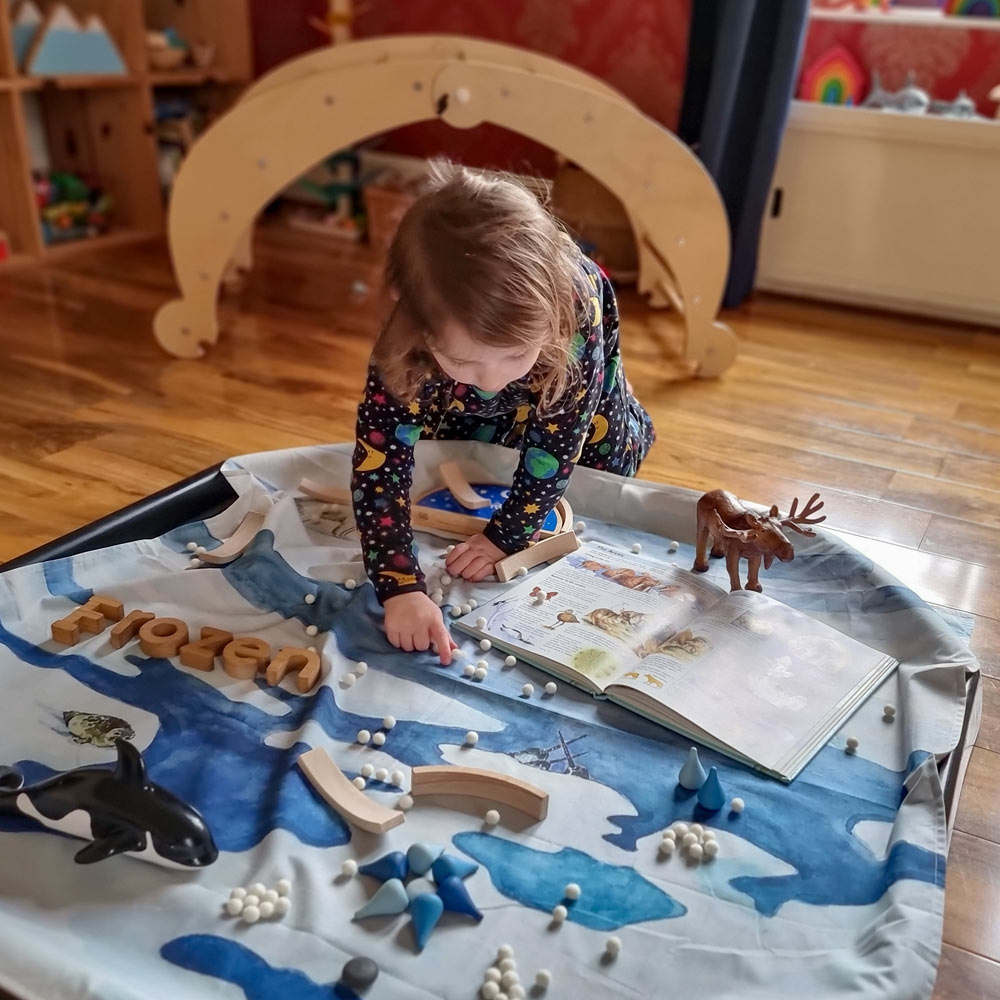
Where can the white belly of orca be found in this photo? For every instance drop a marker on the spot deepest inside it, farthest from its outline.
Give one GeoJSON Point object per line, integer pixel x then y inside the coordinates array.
{"type": "Point", "coordinates": [77, 824]}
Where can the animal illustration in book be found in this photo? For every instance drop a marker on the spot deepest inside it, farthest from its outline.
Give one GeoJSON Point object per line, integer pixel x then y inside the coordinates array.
{"type": "Point", "coordinates": [754, 624]}
{"type": "Point", "coordinates": [563, 618]}
{"type": "Point", "coordinates": [683, 645]}
{"type": "Point", "coordinates": [598, 664]}
{"type": "Point", "coordinates": [621, 624]}
{"type": "Point", "coordinates": [770, 686]}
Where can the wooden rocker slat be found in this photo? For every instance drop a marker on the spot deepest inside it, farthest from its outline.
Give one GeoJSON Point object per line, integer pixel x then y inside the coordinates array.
{"type": "Point", "coordinates": [234, 546]}
{"type": "Point", "coordinates": [477, 783]}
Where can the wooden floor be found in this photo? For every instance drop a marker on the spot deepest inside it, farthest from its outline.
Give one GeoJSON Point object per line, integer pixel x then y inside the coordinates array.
{"type": "Point", "coordinates": [896, 421]}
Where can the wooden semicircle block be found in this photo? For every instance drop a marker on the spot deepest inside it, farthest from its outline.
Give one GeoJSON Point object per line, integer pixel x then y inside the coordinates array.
{"type": "Point", "coordinates": [477, 783]}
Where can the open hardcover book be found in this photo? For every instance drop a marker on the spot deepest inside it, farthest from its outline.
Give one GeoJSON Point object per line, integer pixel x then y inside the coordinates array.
{"type": "Point", "coordinates": [739, 672]}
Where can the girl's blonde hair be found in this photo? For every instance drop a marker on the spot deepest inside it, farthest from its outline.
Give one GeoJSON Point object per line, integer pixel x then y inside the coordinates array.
{"type": "Point", "coordinates": [480, 250]}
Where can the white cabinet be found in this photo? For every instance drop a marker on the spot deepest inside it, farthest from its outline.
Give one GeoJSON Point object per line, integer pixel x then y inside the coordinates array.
{"type": "Point", "coordinates": [888, 210]}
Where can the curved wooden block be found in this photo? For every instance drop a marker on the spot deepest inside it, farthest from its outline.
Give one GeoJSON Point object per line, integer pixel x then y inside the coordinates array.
{"type": "Point", "coordinates": [305, 661]}
{"type": "Point", "coordinates": [163, 637]}
{"type": "Point", "coordinates": [243, 657]}
{"type": "Point", "coordinates": [234, 546]}
{"type": "Point", "coordinates": [343, 797]}
{"type": "Point", "coordinates": [459, 487]}
{"type": "Point", "coordinates": [252, 153]}
{"type": "Point", "coordinates": [477, 783]}
{"type": "Point", "coordinates": [553, 547]}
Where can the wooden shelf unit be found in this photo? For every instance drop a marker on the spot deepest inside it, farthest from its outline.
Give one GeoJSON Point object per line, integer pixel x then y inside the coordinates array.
{"type": "Point", "coordinates": [104, 125]}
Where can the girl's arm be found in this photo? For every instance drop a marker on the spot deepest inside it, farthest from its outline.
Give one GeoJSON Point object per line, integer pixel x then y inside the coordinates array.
{"type": "Point", "coordinates": [387, 430]}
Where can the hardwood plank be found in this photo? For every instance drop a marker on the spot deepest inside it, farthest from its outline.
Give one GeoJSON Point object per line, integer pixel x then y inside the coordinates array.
{"type": "Point", "coordinates": [986, 645]}
{"type": "Point", "coordinates": [989, 729]}
{"type": "Point", "coordinates": [956, 437]}
{"type": "Point", "coordinates": [974, 543]}
{"type": "Point", "coordinates": [977, 807]}
{"type": "Point", "coordinates": [940, 496]}
{"type": "Point", "coordinates": [964, 976]}
{"type": "Point", "coordinates": [983, 473]}
{"type": "Point", "coordinates": [980, 415]}
{"type": "Point", "coordinates": [972, 896]}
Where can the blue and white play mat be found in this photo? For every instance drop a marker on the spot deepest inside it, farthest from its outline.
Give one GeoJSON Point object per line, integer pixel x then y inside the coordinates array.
{"type": "Point", "coordinates": [832, 886]}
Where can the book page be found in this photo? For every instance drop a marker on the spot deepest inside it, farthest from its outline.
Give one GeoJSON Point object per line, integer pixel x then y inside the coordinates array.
{"type": "Point", "coordinates": [756, 674]}
{"type": "Point", "coordinates": [597, 611]}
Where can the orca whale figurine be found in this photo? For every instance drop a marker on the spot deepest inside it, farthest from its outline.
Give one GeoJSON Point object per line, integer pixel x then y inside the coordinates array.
{"type": "Point", "coordinates": [119, 811]}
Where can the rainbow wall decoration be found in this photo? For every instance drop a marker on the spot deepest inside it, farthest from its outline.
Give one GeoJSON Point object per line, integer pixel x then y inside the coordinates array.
{"type": "Point", "coordinates": [834, 78]}
{"type": "Point", "coordinates": [973, 8]}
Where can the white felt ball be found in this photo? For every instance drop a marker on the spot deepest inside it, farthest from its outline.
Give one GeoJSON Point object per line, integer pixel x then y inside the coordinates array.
{"type": "Point", "coordinates": [251, 899]}
{"type": "Point", "coordinates": [348, 680]}
{"type": "Point", "coordinates": [250, 914]}
{"type": "Point", "coordinates": [473, 603]}
{"type": "Point", "coordinates": [234, 907]}
{"type": "Point", "coordinates": [192, 546]}
{"type": "Point", "coordinates": [851, 744]}
{"type": "Point", "coordinates": [711, 848]}
{"type": "Point", "coordinates": [697, 829]}
{"type": "Point", "coordinates": [510, 977]}
{"type": "Point", "coordinates": [613, 945]}
{"type": "Point", "coordinates": [258, 889]}
{"type": "Point", "coordinates": [397, 778]}
{"type": "Point", "coordinates": [367, 770]}
{"type": "Point", "coordinates": [312, 630]}
{"type": "Point", "coordinates": [680, 828]}
{"type": "Point", "coordinates": [505, 951]}
{"type": "Point", "coordinates": [379, 739]}
{"type": "Point", "coordinates": [359, 783]}
{"type": "Point", "coordinates": [456, 611]}
{"type": "Point", "coordinates": [507, 965]}
{"type": "Point", "coordinates": [472, 737]}
{"type": "Point", "coordinates": [266, 909]}
{"type": "Point", "coordinates": [888, 711]}
{"type": "Point", "coordinates": [283, 905]}
{"type": "Point", "coordinates": [695, 851]}
{"type": "Point", "coordinates": [579, 527]}
{"type": "Point", "coordinates": [445, 579]}
{"type": "Point", "coordinates": [381, 774]}
{"type": "Point", "coordinates": [667, 847]}
{"type": "Point", "coordinates": [238, 893]}
{"type": "Point", "coordinates": [559, 913]}
{"type": "Point", "coordinates": [364, 735]}
{"type": "Point", "coordinates": [361, 668]}
{"type": "Point", "coordinates": [521, 571]}
{"type": "Point", "coordinates": [388, 722]}
{"type": "Point", "coordinates": [450, 549]}
{"type": "Point", "coordinates": [485, 664]}
{"type": "Point", "coordinates": [438, 598]}
{"type": "Point", "coordinates": [469, 669]}
{"type": "Point", "coordinates": [516, 992]}
{"type": "Point", "coordinates": [481, 673]}
{"type": "Point", "coordinates": [492, 817]}
{"type": "Point", "coordinates": [480, 622]}
{"type": "Point", "coordinates": [572, 891]}
{"type": "Point", "coordinates": [528, 690]}
{"type": "Point", "coordinates": [709, 836]}
{"type": "Point", "coordinates": [673, 547]}
{"type": "Point", "coordinates": [485, 644]}
{"type": "Point", "coordinates": [310, 598]}
{"type": "Point", "coordinates": [551, 687]}
{"type": "Point", "coordinates": [491, 975]}
{"type": "Point", "coordinates": [737, 805]}
{"type": "Point", "coordinates": [195, 561]}
{"type": "Point", "coordinates": [689, 838]}
{"type": "Point", "coordinates": [349, 868]}
{"type": "Point", "coordinates": [636, 547]}
{"type": "Point", "coordinates": [284, 887]}
{"type": "Point", "coordinates": [405, 802]}
{"type": "Point", "coordinates": [543, 978]}
{"type": "Point", "coordinates": [510, 661]}
{"type": "Point", "coordinates": [670, 835]}
{"type": "Point", "coordinates": [490, 990]}
{"type": "Point", "coordinates": [350, 584]}
{"type": "Point", "coordinates": [271, 896]}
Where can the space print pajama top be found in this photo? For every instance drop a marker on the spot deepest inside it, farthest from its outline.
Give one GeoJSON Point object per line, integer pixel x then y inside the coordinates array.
{"type": "Point", "coordinates": [598, 423]}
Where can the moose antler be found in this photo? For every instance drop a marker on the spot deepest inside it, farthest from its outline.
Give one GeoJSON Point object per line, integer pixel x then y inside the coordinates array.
{"type": "Point", "coordinates": [805, 517]}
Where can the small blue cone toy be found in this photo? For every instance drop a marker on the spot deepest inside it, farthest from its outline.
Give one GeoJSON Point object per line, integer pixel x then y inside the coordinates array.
{"type": "Point", "coordinates": [710, 795]}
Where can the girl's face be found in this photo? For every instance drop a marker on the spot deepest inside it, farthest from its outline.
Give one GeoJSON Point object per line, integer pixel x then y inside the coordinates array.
{"type": "Point", "coordinates": [488, 368]}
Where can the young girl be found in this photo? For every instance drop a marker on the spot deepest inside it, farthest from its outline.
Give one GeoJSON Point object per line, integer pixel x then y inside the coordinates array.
{"type": "Point", "coordinates": [501, 331]}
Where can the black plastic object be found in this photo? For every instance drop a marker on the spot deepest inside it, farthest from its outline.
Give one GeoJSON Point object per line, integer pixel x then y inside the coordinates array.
{"type": "Point", "coordinates": [119, 811]}
{"type": "Point", "coordinates": [202, 495]}
{"type": "Point", "coordinates": [358, 974]}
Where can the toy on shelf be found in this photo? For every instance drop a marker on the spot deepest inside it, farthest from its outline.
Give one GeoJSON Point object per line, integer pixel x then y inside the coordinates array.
{"type": "Point", "coordinates": [71, 208]}
{"type": "Point", "coordinates": [737, 532]}
{"type": "Point", "coordinates": [333, 188]}
{"type": "Point", "coordinates": [166, 50]}
{"type": "Point", "coordinates": [962, 106]}
{"type": "Point", "coordinates": [119, 811]}
{"type": "Point", "coordinates": [972, 8]}
{"type": "Point", "coordinates": [835, 77]}
{"type": "Point", "coordinates": [26, 21]}
{"type": "Point", "coordinates": [65, 47]}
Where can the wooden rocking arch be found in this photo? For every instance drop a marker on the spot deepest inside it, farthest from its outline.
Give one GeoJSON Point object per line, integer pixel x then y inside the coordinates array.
{"type": "Point", "coordinates": [330, 99]}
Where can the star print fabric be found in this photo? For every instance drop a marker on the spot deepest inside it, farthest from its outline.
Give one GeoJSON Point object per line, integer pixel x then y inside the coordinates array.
{"type": "Point", "coordinates": [597, 423]}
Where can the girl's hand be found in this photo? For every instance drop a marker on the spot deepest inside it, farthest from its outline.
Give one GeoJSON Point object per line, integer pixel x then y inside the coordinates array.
{"type": "Point", "coordinates": [414, 622]}
{"type": "Point", "coordinates": [474, 559]}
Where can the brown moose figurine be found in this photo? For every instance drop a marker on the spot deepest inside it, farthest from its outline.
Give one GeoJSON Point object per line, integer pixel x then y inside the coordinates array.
{"type": "Point", "coordinates": [740, 533]}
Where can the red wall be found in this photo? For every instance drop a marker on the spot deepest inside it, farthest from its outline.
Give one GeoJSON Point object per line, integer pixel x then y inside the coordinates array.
{"type": "Point", "coordinates": [639, 46]}
{"type": "Point", "coordinates": [945, 60]}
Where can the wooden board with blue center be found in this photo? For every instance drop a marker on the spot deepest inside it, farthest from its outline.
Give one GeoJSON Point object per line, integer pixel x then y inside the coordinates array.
{"type": "Point", "coordinates": [496, 493]}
